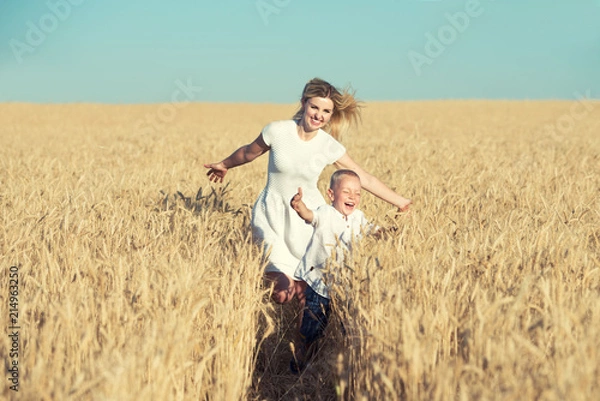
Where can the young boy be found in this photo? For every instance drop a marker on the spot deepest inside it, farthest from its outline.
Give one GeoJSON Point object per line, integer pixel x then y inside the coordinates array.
{"type": "Point", "coordinates": [335, 227]}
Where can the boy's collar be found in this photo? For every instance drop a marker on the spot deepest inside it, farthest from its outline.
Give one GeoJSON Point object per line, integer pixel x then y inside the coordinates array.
{"type": "Point", "coordinates": [342, 214]}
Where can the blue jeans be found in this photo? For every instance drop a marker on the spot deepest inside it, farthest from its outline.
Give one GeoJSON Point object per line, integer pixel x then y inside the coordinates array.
{"type": "Point", "coordinates": [315, 317]}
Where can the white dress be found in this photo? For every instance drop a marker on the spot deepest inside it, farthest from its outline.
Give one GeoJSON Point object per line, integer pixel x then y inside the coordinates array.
{"type": "Point", "coordinates": [293, 163]}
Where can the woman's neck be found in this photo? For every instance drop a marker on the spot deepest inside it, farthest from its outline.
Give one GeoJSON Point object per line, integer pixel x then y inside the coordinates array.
{"type": "Point", "coordinates": [303, 134]}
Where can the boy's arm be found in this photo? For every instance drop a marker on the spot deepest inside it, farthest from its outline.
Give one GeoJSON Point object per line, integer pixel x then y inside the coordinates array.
{"type": "Point", "coordinates": [374, 230]}
{"type": "Point", "coordinates": [300, 207]}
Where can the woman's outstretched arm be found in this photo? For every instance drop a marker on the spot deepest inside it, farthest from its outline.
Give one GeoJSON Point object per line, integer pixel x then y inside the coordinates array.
{"type": "Point", "coordinates": [245, 154]}
{"type": "Point", "coordinates": [373, 184]}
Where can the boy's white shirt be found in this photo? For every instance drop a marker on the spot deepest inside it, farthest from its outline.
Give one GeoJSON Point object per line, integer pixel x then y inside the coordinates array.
{"type": "Point", "coordinates": [330, 228]}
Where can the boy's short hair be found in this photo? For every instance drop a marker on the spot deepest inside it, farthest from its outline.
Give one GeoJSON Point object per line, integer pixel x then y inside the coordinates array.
{"type": "Point", "coordinates": [338, 175]}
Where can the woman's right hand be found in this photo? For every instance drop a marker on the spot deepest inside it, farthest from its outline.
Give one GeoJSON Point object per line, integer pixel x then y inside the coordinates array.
{"type": "Point", "coordinates": [216, 171]}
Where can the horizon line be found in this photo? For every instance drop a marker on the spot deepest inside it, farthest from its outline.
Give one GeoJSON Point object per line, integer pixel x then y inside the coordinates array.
{"type": "Point", "coordinates": [39, 103]}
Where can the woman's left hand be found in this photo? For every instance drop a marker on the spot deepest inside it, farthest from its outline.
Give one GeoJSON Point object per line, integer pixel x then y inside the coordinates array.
{"type": "Point", "coordinates": [405, 205]}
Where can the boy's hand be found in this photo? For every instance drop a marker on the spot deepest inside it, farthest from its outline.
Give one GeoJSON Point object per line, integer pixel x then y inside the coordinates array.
{"type": "Point", "coordinates": [300, 208]}
{"type": "Point", "coordinates": [384, 232]}
{"type": "Point", "coordinates": [296, 201]}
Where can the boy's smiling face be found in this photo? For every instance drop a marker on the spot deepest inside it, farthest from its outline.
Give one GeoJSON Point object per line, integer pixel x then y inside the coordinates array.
{"type": "Point", "coordinates": [345, 195]}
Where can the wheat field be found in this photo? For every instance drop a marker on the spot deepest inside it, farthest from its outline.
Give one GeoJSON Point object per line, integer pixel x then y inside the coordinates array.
{"type": "Point", "coordinates": [138, 279]}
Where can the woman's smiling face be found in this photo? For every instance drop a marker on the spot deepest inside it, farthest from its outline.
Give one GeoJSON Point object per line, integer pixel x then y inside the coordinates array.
{"type": "Point", "coordinates": [317, 113]}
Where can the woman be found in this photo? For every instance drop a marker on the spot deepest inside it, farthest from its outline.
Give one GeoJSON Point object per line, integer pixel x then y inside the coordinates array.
{"type": "Point", "coordinates": [299, 151]}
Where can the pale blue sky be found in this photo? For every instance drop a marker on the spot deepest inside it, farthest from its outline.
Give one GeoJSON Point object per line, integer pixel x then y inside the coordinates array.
{"type": "Point", "coordinates": [139, 51]}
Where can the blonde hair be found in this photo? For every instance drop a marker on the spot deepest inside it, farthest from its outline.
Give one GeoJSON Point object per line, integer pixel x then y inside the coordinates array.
{"type": "Point", "coordinates": [346, 109]}
{"type": "Point", "coordinates": [339, 175]}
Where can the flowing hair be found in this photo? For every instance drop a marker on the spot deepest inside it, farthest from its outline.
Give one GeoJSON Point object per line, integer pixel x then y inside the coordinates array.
{"type": "Point", "coordinates": [346, 109]}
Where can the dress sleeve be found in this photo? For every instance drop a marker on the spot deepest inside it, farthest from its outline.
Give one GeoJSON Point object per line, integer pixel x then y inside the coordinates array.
{"type": "Point", "coordinates": [267, 134]}
{"type": "Point", "coordinates": [334, 150]}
